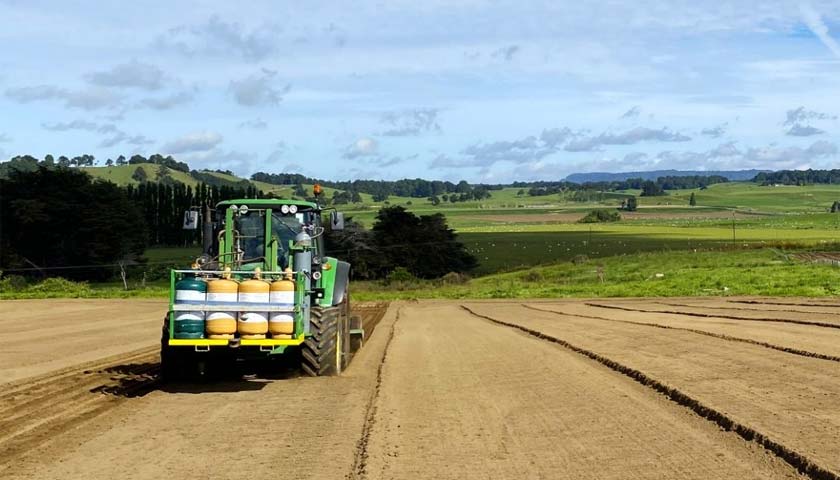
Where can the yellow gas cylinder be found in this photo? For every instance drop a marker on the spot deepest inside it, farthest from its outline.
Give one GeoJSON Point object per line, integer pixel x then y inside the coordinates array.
{"type": "Point", "coordinates": [282, 324]}
{"type": "Point", "coordinates": [253, 324]}
{"type": "Point", "coordinates": [221, 324]}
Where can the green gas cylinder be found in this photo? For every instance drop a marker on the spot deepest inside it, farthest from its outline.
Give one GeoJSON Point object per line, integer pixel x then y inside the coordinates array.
{"type": "Point", "coordinates": [190, 291]}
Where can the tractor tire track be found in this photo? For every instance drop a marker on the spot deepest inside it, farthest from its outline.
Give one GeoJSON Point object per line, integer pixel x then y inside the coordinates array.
{"type": "Point", "coordinates": [794, 304]}
{"type": "Point", "coordinates": [744, 309]}
{"type": "Point", "coordinates": [709, 315]}
{"type": "Point", "coordinates": [70, 398]}
{"type": "Point", "coordinates": [359, 470]}
{"type": "Point", "coordinates": [721, 336]}
{"type": "Point", "coordinates": [797, 460]}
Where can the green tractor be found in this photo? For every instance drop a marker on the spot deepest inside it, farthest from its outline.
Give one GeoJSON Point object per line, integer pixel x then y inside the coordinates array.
{"type": "Point", "coordinates": [263, 289]}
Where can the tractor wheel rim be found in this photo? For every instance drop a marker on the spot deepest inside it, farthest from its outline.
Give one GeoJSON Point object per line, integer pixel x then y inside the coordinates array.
{"type": "Point", "coordinates": [338, 353]}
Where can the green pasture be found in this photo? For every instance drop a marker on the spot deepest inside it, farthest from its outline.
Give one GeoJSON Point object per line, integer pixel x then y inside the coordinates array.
{"type": "Point", "coordinates": [659, 274]}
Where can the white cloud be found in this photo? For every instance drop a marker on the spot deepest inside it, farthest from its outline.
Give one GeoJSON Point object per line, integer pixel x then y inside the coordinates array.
{"type": "Point", "coordinates": [258, 89]}
{"type": "Point", "coordinates": [804, 131]}
{"type": "Point", "coordinates": [256, 124]}
{"type": "Point", "coordinates": [216, 37]}
{"type": "Point", "coordinates": [115, 135]}
{"type": "Point", "coordinates": [239, 162]}
{"type": "Point", "coordinates": [193, 142]}
{"type": "Point", "coordinates": [800, 114]}
{"type": "Point", "coordinates": [129, 75]}
{"type": "Point", "coordinates": [85, 99]}
{"type": "Point", "coordinates": [122, 137]}
{"type": "Point", "coordinates": [410, 122]}
{"type": "Point", "coordinates": [506, 53]}
{"type": "Point", "coordinates": [279, 152]}
{"type": "Point", "coordinates": [78, 125]}
{"type": "Point", "coordinates": [715, 132]}
{"type": "Point", "coordinates": [632, 113]}
{"type": "Point", "coordinates": [815, 23]}
{"type": "Point", "coordinates": [168, 102]}
{"type": "Point", "coordinates": [363, 147]}
{"type": "Point", "coordinates": [630, 137]}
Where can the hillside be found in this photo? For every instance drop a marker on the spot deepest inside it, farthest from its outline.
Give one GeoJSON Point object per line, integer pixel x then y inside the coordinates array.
{"type": "Point", "coordinates": [732, 175]}
{"type": "Point", "coordinates": [733, 195]}
{"type": "Point", "coordinates": [122, 174]}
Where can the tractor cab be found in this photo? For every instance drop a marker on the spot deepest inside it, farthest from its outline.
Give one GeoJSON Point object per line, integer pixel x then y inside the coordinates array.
{"type": "Point", "coordinates": [264, 233]}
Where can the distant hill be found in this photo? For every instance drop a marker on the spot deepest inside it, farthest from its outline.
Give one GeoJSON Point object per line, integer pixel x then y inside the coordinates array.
{"type": "Point", "coordinates": [732, 175]}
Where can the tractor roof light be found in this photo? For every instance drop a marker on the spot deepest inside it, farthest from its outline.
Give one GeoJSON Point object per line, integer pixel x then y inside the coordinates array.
{"type": "Point", "coordinates": [293, 209]}
{"type": "Point", "coordinates": [317, 190]}
{"type": "Point", "coordinates": [284, 209]}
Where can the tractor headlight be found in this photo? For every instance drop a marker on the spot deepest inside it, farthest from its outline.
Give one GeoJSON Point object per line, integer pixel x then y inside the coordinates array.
{"type": "Point", "coordinates": [284, 209]}
{"type": "Point", "coordinates": [293, 209]}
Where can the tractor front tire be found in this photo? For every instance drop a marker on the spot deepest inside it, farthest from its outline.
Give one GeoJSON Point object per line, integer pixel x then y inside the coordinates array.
{"type": "Point", "coordinates": [326, 350]}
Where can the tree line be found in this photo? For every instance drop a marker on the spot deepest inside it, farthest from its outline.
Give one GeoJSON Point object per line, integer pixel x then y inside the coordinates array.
{"type": "Point", "coordinates": [382, 189]}
{"type": "Point", "coordinates": [163, 206]}
{"type": "Point", "coordinates": [60, 221]}
{"type": "Point", "coordinates": [798, 177]}
{"type": "Point", "coordinates": [423, 245]}
{"type": "Point", "coordinates": [649, 188]}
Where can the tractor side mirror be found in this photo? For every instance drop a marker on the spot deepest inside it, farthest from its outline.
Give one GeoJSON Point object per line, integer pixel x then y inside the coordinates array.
{"type": "Point", "coordinates": [190, 220]}
{"type": "Point", "coordinates": [336, 221]}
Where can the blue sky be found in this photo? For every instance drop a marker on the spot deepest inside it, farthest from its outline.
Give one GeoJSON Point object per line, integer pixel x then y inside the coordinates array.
{"type": "Point", "coordinates": [478, 90]}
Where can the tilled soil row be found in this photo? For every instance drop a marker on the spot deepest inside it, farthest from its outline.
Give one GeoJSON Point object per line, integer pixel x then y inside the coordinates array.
{"type": "Point", "coordinates": [715, 315]}
{"type": "Point", "coordinates": [761, 308]}
{"type": "Point", "coordinates": [36, 410]}
{"type": "Point", "coordinates": [360, 459]}
{"type": "Point", "coordinates": [463, 398]}
{"type": "Point", "coordinates": [794, 351]}
{"type": "Point", "coordinates": [799, 461]}
{"type": "Point", "coordinates": [816, 303]}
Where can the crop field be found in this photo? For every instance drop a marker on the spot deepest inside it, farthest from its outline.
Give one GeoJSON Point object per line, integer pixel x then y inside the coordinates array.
{"type": "Point", "coordinates": [502, 241]}
{"type": "Point", "coordinates": [737, 387]}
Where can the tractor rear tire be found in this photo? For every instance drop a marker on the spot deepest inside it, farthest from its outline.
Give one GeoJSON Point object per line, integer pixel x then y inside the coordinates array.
{"type": "Point", "coordinates": [326, 350]}
{"type": "Point", "coordinates": [171, 366]}
{"type": "Point", "coordinates": [178, 364]}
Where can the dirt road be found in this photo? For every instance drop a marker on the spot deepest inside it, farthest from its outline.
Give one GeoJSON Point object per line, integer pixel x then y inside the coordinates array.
{"type": "Point", "coordinates": [563, 389]}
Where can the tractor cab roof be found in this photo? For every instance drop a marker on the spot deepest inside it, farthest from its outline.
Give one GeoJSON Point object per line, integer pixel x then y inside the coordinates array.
{"type": "Point", "coordinates": [271, 203]}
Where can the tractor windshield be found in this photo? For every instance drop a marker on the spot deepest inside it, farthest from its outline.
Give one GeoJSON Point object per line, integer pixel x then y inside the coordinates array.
{"type": "Point", "coordinates": [251, 232]}
{"type": "Point", "coordinates": [285, 227]}
{"type": "Point", "coordinates": [251, 235]}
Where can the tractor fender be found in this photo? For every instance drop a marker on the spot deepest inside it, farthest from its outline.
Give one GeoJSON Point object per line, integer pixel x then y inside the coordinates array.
{"type": "Point", "coordinates": [342, 282]}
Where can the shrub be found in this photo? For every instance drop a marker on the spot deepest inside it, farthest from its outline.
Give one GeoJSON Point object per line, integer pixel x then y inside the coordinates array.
{"type": "Point", "coordinates": [532, 276]}
{"type": "Point", "coordinates": [12, 283]}
{"type": "Point", "coordinates": [580, 259]}
{"type": "Point", "coordinates": [455, 278]}
{"type": "Point", "coordinates": [600, 216]}
{"type": "Point", "coordinates": [399, 275]}
{"type": "Point", "coordinates": [56, 285]}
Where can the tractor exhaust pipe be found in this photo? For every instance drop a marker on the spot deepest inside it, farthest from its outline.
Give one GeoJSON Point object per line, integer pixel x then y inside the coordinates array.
{"type": "Point", "coordinates": [207, 232]}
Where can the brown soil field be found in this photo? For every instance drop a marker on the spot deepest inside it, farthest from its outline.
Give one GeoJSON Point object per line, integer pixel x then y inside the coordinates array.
{"type": "Point", "coordinates": [571, 217]}
{"type": "Point", "coordinates": [45, 335]}
{"type": "Point", "coordinates": [788, 399]}
{"type": "Point", "coordinates": [494, 389]}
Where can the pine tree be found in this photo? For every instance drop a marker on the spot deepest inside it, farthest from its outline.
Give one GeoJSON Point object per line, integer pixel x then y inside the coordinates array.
{"type": "Point", "coordinates": [692, 200]}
